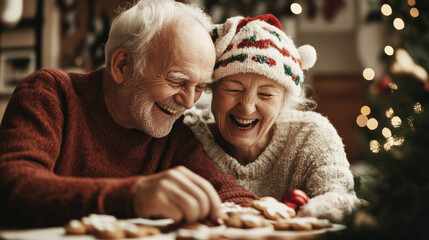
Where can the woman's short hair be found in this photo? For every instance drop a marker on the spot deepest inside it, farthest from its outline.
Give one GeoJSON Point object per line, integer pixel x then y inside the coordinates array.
{"type": "Point", "coordinates": [135, 27]}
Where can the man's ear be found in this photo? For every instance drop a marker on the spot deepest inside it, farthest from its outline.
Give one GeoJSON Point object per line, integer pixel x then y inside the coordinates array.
{"type": "Point", "coordinates": [120, 63]}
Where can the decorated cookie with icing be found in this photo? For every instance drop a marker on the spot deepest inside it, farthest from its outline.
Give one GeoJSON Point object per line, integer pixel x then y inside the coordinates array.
{"type": "Point", "coordinates": [108, 227]}
{"type": "Point", "coordinates": [75, 227]}
{"type": "Point", "coordinates": [246, 220]}
{"type": "Point", "coordinates": [273, 209]}
{"type": "Point", "coordinates": [301, 224]}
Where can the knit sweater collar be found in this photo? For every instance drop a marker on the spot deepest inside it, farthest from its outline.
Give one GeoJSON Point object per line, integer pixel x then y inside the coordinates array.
{"type": "Point", "coordinates": [254, 170]}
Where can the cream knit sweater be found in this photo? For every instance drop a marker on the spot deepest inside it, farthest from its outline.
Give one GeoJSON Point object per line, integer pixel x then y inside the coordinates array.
{"type": "Point", "coordinates": [305, 153]}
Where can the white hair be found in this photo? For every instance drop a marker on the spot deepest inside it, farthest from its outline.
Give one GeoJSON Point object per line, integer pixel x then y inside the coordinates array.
{"type": "Point", "coordinates": [134, 28]}
{"type": "Point", "coordinates": [304, 101]}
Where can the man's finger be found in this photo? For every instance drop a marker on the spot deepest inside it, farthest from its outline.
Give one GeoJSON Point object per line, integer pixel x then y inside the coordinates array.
{"type": "Point", "coordinates": [213, 198]}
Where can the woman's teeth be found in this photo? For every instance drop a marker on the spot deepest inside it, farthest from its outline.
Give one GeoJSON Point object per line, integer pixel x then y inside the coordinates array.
{"type": "Point", "coordinates": [243, 124]}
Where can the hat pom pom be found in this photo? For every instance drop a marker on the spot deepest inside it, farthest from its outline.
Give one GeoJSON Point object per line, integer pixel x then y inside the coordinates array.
{"type": "Point", "coordinates": [308, 56]}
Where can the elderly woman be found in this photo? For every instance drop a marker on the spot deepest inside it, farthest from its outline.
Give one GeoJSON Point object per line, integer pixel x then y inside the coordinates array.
{"type": "Point", "coordinates": [260, 134]}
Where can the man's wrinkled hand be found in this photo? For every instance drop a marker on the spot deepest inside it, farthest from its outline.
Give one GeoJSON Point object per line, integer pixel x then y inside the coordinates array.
{"type": "Point", "coordinates": [176, 193]}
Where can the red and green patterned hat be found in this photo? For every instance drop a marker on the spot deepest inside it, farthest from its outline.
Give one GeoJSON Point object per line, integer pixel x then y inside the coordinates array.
{"type": "Point", "coordinates": [259, 45]}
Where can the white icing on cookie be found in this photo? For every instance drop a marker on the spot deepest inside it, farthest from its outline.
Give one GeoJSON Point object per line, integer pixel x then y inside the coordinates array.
{"type": "Point", "coordinates": [75, 224]}
{"type": "Point", "coordinates": [229, 207]}
{"type": "Point", "coordinates": [251, 218]}
{"type": "Point", "coordinates": [274, 207]}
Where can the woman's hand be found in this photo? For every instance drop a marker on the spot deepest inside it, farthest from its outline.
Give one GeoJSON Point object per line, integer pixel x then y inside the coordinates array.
{"type": "Point", "coordinates": [176, 193]}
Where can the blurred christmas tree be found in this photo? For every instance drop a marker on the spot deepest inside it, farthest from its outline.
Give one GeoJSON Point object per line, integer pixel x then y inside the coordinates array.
{"type": "Point", "coordinates": [396, 144]}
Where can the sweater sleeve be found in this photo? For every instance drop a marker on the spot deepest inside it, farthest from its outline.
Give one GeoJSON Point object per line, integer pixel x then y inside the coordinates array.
{"type": "Point", "coordinates": [328, 179]}
{"type": "Point", "coordinates": [31, 194]}
{"type": "Point", "coordinates": [193, 156]}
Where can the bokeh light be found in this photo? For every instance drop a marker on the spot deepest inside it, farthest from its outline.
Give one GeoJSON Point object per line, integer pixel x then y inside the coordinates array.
{"type": "Point", "coordinates": [393, 86]}
{"type": "Point", "coordinates": [399, 24]}
{"type": "Point", "coordinates": [389, 50]}
{"type": "Point", "coordinates": [396, 121]}
{"type": "Point", "coordinates": [296, 8]}
{"type": "Point", "coordinates": [389, 112]}
{"type": "Point", "coordinates": [372, 124]}
{"type": "Point", "coordinates": [386, 10]}
{"type": "Point", "coordinates": [414, 12]}
{"type": "Point", "coordinates": [386, 132]}
{"type": "Point", "coordinates": [374, 146]}
{"type": "Point", "coordinates": [417, 108]}
{"type": "Point", "coordinates": [411, 2]}
{"type": "Point", "coordinates": [368, 74]}
{"type": "Point", "coordinates": [361, 120]}
{"type": "Point", "coordinates": [365, 110]}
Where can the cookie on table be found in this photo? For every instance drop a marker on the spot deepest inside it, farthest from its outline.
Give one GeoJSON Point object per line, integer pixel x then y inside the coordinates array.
{"type": "Point", "coordinates": [273, 209]}
{"type": "Point", "coordinates": [246, 220]}
{"type": "Point", "coordinates": [321, 223]}
{"type": "Point", "coordinates": [195, 231]}
{"type": "Point", "coordinates": [230, 209]}
{"type": "Point", "coordinates": [282, 225]}
{"type": "Point", "coordinates": [108, 227]}
{"type": "Point", "coordinates": [92, 219]}
{"type": "Point", "coordinates": [301, 224]}
{"type": "Point", "coordinates": [75, 227]}
{"type": "Point", "coordinates": [137, 231]}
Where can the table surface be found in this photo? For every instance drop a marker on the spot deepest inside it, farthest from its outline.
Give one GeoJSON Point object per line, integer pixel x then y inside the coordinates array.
{"type": "Point", "coordinates": [55, 233]}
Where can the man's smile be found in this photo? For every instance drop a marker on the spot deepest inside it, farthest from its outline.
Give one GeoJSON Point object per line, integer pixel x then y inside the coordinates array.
{"type": "Point", "coordinates": [166, 109]}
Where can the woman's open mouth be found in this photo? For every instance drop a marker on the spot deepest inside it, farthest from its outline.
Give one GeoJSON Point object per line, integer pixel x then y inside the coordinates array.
{"type": "Point", "coordinates": [243, 124]}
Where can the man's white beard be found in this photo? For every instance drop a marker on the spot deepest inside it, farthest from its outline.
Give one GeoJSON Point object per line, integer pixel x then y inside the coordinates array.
{"type": "Point", "coordinates": [134, 97]}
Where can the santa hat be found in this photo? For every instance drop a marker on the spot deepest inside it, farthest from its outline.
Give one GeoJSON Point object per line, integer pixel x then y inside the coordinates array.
{"type": "Point", "coordinates": [259, 45]}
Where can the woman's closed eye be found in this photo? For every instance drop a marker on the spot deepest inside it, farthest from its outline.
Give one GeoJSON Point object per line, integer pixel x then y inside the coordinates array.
{"type": "Point", "coordinates": [265, 94]}
{"type": "Point", "coordinates": [232, 90]}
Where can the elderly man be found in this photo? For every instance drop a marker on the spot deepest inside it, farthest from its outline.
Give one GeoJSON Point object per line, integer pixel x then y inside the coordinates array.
{"type": "Point", "coordinates": [112, 141]}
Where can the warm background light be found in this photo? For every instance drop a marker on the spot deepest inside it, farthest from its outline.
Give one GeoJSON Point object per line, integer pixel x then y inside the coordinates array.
{"type": "Point", "coordinates": [389, 50]}
{"type": "Point", "coordinates": [296, 8]}
{"type": "Point", "coordinates": [418, 108]}
{"type": "Point", "coordinates": [411, 2]}
{"type": "Point", "coordinates": [368, 74]}
{"type": "Point", "coordinates": [398, 23]}
{"type": "Point", "coordinates": [374, 146]}
{"type": "Point", "coordinates": [386, 10]}
{"type": "Point", "coordinates": [365, 110]}
{"type": "Point", "coordinates": [396, 121]}
{"type": "Point", "coordinates": [386, 132]}
{"type": "Point", "coordinates": [361, 120]}
{"type": "Point", "coordinates": [414, 12]}
{"type": "Point", "coordinates": [372, 124]}
{"type": "Point", "coordinates": [389, 112]}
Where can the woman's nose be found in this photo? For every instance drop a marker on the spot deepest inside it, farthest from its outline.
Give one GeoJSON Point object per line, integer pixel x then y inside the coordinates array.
{"type": "Point", "coordinates": [247, 104]}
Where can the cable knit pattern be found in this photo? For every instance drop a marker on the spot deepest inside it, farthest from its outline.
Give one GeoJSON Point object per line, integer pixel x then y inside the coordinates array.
{"type": "Point", "coordinates": [305, 153]}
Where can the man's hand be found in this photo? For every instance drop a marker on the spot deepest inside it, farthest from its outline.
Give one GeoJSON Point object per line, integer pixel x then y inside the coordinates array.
{"type": "Point", "coordinates": [177, 193]}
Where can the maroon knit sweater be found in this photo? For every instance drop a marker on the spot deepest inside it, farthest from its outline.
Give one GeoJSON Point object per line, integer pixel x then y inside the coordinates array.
{"type": "Point", "coordinates": [62, 156]}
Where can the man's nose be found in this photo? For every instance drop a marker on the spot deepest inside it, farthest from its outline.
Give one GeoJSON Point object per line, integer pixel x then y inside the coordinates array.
{"type": "Point", "coordinates": [186, 97]}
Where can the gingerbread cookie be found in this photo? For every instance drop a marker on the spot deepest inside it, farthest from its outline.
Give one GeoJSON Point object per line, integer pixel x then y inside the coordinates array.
{"type": "Point", "coordinates": [246, 220]}
{"type": "Point", "coordinates": [75, 227]}
{"type": "Point", "coordinates": [108, 227]}
{"type": "Point", "coordinates": [273, 209]}
{"type": "Point", "coordinates": [301, 224]}
{"type": "Point", "coordinates": [193, 232]}
{"type": "Point", "coordinates": [138, 231]}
